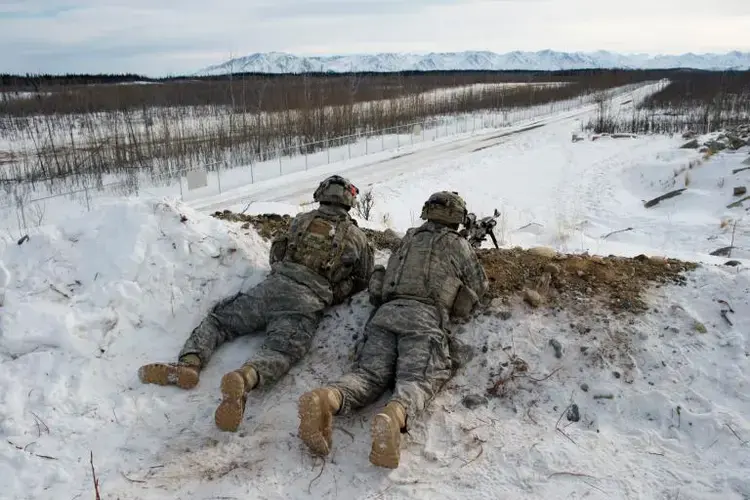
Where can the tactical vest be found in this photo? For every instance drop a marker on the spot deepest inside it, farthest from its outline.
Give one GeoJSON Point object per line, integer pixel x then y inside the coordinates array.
{"type": "Point", "coordinates": [318, 244]}
{"type": "Point", "coordinates": [415, 272]}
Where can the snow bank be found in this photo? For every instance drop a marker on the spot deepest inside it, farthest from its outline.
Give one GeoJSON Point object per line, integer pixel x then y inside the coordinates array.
{"type": "Point", "coordinates": [664, 410]}
{"type": "Point", "coordinates": [89, 302]}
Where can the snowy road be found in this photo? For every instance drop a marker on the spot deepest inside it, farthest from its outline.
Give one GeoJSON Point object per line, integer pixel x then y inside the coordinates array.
{"type": "Point", "coordinates": [427, 161]}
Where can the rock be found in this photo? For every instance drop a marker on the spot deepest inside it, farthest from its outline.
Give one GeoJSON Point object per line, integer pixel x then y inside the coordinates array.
{"type": "Point", "coordinates": [688, 135]}
{"type": "Point", "coordinates": [746, 161]}
{"type": "Point", "coordinates": [604, 396]}
{"type": "Point", "coordinates": [543, 252]}
{"type": "Point", "coordinates": [691, 145]}
{"type": "Point", "coordinates": [704, 149]}
{"type": "Point", "coordinates": [585, 387]}
{"type": "Point", "coordinates": [716, 145]}
{"type": "Point", "coordinates": [573, 414]}
{"type": "Point", "coordinates": [616, 374]}
{"type": "Point", "coordinates": [551, 268]}
{"type": "Point", "coordinates": [739, 190]}
{"type": "Point", "coordinates": [557, 346]}
{"type": "Point", "coordinates": [473, 401]}
{"type": "Point", "coordinates": [732, 263]}
{"type": "Point", "coordinates": [532, 297]}
{"type": "Point", "coordinates": [735, 143]}
{"type": "Point", "coordinates": [496, 303]}
{"type": "Point", "coordinates": [504, 315]}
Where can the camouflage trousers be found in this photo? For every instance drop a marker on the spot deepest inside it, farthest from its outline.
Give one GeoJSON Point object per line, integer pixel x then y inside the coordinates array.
{"type": "Point", "coordinates": [403, 344]}
{"type": "Point", "coordinates": [288, 312]}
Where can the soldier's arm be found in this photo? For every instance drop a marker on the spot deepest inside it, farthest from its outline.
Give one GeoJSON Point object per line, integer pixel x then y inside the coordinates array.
{"type": "Point", "coordinates": [472, 272]}
{"type": "Point", "coordinates": [365, 264]}
{"type": "Point", "coordinates": [279, 243]}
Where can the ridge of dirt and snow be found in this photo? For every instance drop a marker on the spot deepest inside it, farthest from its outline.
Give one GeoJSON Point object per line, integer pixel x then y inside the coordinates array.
{"type": "Point", "coordinates": [556, 402]}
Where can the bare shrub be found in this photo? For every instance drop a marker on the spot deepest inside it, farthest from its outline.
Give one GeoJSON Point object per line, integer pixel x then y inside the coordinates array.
{"type": "Point", "coordinates": [37, 211]}
{"type": "Point", "coordinates": [364, 205]}
{"type": "Point", "coordinates": [696, 101]}
{"type": "Point", "coordinates": [605, 122]}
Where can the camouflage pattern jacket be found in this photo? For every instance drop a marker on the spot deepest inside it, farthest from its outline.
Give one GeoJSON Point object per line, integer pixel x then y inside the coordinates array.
{"type": "Point", "coordinates": [326, 251]}
{"type": "Point", "coordinates": [434, 265]}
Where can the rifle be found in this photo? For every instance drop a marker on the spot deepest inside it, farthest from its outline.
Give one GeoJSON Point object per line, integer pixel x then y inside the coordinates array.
{"type": "Point", "coordinates": [477, 230]}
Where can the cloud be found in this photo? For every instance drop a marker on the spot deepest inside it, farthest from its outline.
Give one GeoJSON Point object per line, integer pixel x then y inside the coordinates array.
{"type": "Point", "coordinates": [170, 36]}
{"type": "Point", "coordinates": [292, 9]}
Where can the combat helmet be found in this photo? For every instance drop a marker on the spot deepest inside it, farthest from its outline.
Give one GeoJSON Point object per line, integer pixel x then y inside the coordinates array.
{"type": "Point", "coordinates": [445, 207]}
{"type": "Point", "coordinates": [336, 190]}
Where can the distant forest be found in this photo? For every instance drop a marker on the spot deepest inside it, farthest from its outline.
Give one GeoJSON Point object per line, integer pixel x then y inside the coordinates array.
{"type": "Point", "coordinates": [36, 82]}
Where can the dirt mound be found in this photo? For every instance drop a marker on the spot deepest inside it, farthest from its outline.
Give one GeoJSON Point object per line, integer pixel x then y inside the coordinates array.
{"type": "Point", "coordinates": [541, 276]}
{"type": "Point", "coordinates": [566, 280]}
{"type": "Point", "coordinates": [267, 225]}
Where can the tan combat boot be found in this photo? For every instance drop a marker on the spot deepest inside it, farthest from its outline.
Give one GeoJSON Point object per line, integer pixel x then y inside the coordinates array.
{"type": "Point", "coordinates": [386, 436]}
{"type": "Point", "coordinates": [234, 388]}
{"type": "Point", "coordinates": [316, 410]}
{"type": "Point", "coordinates": [184, 374]}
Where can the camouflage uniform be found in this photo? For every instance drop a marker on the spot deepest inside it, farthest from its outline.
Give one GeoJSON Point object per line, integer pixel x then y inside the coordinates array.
{"type": "Point", "coordinates": [290, 302]}
{"type": "Point", "coordinates": [433, 276]}
{"type": "Point", "coordinates": [320, 261]}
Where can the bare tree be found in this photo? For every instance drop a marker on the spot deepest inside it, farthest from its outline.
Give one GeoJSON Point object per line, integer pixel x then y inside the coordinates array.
{"type": "Point", "coordinates": [365, 204]}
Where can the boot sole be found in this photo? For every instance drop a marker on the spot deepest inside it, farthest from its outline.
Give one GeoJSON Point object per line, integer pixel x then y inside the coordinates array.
{"type": "Point", "coordinates": [230, 411]}
{"type": "Point", "coordinates": [311, 415]}
{"type": "Point", "coordinates": [386, 442]}
{"type": "Point", "coordinates": [164, 374]}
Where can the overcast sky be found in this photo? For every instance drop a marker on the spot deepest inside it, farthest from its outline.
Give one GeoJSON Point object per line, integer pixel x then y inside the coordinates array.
{"type": "Point", "coordinates": [160, 37]}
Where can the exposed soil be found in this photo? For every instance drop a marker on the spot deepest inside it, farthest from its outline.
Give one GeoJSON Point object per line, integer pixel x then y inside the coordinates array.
{"type": "Point", "coordinates": [267, 225]}
{"type": "Point", "coordinates": [560, 280]}
{"type": "Point", "coordinates": [563, 280]}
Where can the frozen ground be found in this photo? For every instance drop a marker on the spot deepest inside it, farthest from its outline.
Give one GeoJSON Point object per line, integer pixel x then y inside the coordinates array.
{"type": "Point", "coordinates": [663, 399]}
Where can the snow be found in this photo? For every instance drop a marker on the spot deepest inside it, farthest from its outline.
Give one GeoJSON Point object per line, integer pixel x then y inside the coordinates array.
{"type": "Point", "coordinates": [544, 60]}
{"type": "Point", "coordinates": [78, 130]}
{"type": "Point", "coordinates": [438, 134]}
{"type": "Point", "coordinates": [93, 296]}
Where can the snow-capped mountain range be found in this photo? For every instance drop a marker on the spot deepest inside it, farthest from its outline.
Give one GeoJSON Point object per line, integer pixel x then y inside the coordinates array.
{"type": "Point", "coordinates": [545, 60]}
